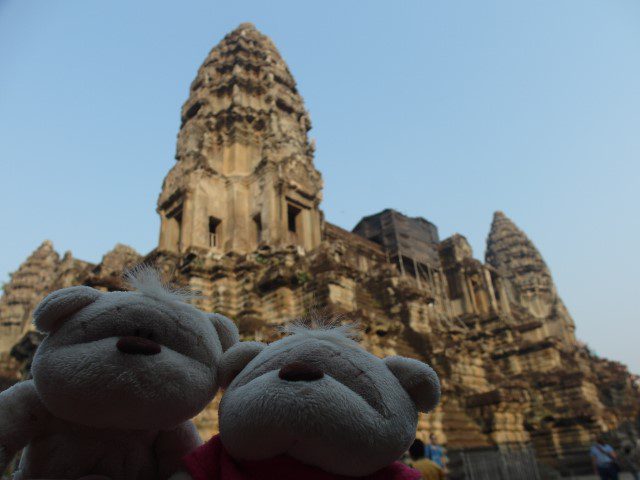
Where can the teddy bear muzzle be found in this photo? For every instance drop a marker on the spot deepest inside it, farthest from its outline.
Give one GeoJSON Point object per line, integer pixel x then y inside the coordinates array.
{"type": "Point", "coordinates": [138, 346]}
{"type": "Point", "coordinates": [300, 371]}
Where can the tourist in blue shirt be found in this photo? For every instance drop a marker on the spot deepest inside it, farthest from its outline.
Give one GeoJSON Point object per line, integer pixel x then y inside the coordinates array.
{"type": "Point", "coordinates": [604, 459]}
{"type": "Point", "coordinates": [435, 452]}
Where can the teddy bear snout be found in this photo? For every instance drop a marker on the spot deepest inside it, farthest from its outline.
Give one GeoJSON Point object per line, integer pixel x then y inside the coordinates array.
{"type": "Point", "coordinates": [300, 371]}
{"type": "Point", "coordinates": [138, 346]}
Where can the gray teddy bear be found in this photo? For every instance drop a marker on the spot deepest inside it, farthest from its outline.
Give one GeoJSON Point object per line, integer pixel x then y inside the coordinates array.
{"type": "Point", "coordinates": [115, 382]}
{"type": "Point", "coordinates": [314, 404]}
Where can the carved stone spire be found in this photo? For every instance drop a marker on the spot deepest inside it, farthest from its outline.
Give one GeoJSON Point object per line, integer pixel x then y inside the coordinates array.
{"type": "Point", "coordinates": [244, 173]}
{"type": "Point", "coordinates": [28, 285]}
{"type": "Point", "coordinates": [516, 258]}
{"type": "Point", "coordinates": [510, 251]}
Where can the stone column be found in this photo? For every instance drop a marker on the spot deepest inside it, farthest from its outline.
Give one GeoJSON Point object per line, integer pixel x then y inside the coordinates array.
{"type": "Point", "coordinates": [186, 231]}
{"type": "Point", "coordinates": [488, 283]}
{"type": "Point", "coordinates": [467, 293]}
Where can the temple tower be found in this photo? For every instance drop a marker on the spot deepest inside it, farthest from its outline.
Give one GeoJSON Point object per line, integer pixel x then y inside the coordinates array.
{"type": "Point", "coordinates": [244, 174]}
{"type": "Point", "coordinates": [517, 259]}
{"type": "Point", "coordinates": [28, 285]}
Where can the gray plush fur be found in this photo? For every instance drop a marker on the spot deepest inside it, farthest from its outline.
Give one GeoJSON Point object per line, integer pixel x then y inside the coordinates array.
{"type": "Point", "coordinates": [363, 407]}
{"type": "Point", "coordinates": [92, 409]}
{"type": "Point", "coordinates": [3, 458]}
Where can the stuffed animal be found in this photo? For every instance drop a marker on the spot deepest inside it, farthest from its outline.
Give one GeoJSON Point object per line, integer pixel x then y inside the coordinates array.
{"type": "Point", "coordinates": [314, 405]}
{"type": "Point", "coordinates": [115, 382]}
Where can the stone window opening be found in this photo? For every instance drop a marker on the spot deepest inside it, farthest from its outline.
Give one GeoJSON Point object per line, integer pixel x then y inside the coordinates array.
{"type": "Point", "coordinates": [292, 217]}
{"type": "Point", "coordinates": [455, 289]}
{"type": "Point", "coordinates": [214, 232]}
{"type": "Point", "coordinates": [191, 112]}
{"type": "Point", "coordinates": [257, 220]}
{"type": "Point", "coordinates": [178, 218]}
{"type": "Point", "coordinates": [174, 227]}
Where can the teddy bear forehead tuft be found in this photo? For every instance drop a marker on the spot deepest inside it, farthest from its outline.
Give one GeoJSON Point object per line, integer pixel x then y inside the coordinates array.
{"type": "Point", "coordinates": [146, 280]}
{"type": "Point", "coordinates": [345, 335]}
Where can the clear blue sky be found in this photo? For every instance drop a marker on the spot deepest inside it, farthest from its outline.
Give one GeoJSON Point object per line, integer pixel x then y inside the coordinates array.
{"type": "Point", "coordinates": [448, 110]}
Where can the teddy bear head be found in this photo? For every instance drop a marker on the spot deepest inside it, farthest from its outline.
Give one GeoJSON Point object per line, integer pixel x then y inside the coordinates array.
{"type": "Point", "coordinates": [142, 359]}
{"type": "Point", "coordinates": [316, 395]}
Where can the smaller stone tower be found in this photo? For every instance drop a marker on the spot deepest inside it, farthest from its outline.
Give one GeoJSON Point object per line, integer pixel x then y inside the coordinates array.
{"type": "Point", "coordinates": [28, 285]}
{"type": "Point", "coordinates": [244, 174]}
{"type": "Point", "coordinates": [517, 259]}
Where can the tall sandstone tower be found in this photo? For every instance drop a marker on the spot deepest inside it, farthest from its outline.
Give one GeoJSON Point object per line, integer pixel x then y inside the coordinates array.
{"type": "Point", "coordinates": [241, 223]}
{"type": "Point", "coordinates": [245, 173]}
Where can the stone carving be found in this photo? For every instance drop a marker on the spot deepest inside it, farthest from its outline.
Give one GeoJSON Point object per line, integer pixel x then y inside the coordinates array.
{"type": "Point", "coordinates": [240, 222]}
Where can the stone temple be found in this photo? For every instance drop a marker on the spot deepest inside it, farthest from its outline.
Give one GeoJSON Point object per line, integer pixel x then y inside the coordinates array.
{"type": "Point", "coordinates": [241, 222]}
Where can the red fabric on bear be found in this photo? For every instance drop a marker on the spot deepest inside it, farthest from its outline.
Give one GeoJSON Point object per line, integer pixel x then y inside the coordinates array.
{"type": "Point", "coordinates": [212, 462]}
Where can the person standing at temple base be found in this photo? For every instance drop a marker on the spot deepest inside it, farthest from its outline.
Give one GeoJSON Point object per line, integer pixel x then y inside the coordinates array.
{"type": "Point", "coordinates": [604, 459]}
{"type": "Point", "coordinates": [427, 468]}
{"type": "Point", "coordinates": [435, 452]}
{"type": "Point", "coordinates": [630, 459]}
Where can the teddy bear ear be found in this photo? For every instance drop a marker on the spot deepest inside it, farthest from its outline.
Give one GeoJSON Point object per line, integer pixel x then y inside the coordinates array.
{"type": "Point", "coordinates": [227, 330]}
{"type": "Point", "coordinates": [58, 306]}
{"type": "Point", "coordinates": [418, 379]}
{"type": "Point", "coordinates": [235, 359]}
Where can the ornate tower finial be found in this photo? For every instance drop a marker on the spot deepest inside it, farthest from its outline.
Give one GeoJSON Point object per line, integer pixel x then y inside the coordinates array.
{"type": "Point", "coordinates": [244, 173]}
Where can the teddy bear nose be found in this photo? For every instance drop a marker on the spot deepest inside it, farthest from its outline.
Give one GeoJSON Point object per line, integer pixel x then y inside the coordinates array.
{"type": "Point", "coordinates": [300, 371]}
{"type": "Point", "coordinates": [138, 346]}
